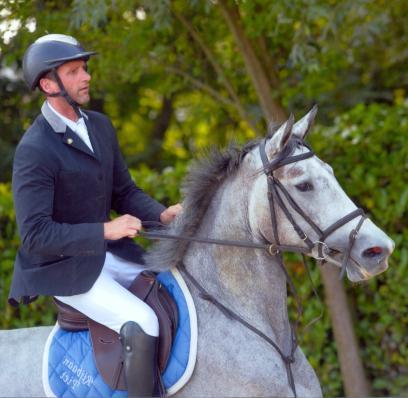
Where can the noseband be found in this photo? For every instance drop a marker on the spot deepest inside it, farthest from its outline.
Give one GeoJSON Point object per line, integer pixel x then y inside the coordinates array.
{"type": "Point", "coordinates": [317, 249]}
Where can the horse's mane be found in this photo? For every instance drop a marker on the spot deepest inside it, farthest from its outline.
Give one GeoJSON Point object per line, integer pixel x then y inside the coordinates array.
{"type": "Point", "coordinates": [205, 177]}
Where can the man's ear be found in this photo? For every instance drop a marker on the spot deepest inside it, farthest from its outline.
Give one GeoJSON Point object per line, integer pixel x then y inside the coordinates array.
{"type": "Point", "coordinates": [47, 85]}
{"type": "Point", "coordinates": [280, 138]}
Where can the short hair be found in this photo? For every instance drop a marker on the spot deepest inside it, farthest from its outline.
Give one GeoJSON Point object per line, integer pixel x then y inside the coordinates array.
{"type": "Point", "coordinates": [47, 75]}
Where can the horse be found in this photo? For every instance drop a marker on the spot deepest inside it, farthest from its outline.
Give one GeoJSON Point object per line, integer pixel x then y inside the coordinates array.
{"type": "Point", "coordinates": [242, 208]}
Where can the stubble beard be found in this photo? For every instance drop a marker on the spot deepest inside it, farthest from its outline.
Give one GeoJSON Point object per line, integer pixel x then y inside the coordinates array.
{"type": "Point", "coordinates": [83, 97]}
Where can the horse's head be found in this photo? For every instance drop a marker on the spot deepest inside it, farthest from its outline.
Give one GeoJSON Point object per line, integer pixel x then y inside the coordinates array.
{"type": "Point", "coordinates": [310, 206]}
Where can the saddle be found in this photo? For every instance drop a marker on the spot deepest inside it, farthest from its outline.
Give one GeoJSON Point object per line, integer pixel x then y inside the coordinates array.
{"type": "Point", "coordinates": [107, 348]}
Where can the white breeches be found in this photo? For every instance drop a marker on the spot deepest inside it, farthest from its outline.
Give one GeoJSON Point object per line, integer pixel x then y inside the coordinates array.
{"type": "Point", "coordinates": [110, 303]}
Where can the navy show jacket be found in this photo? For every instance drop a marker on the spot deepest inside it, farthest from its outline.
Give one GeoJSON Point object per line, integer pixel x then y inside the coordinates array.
{"type": "Point", "coordinates": [63, 193]}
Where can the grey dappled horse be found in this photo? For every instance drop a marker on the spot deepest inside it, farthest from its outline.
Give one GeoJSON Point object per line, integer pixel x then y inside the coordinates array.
{"type": "Point", "coordinates": [226, 197]}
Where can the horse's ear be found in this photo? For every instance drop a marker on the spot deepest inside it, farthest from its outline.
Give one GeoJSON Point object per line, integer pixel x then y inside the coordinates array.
{"type": "Point", "coordinates": [280, 137]}
{"type": "Point", "coordinates": [303, 126]}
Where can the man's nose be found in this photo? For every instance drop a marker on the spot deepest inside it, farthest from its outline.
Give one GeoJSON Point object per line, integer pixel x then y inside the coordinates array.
{"type": "Point", "coordinates": [86, 75]}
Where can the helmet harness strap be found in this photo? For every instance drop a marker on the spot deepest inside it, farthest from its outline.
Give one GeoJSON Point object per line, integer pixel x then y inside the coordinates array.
{"type": "Point", "coordinates": [63, 93]}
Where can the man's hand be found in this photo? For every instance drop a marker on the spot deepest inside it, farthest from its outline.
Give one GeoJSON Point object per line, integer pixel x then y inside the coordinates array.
{"type": "Point", "coordinates": [123, 226]}
{"type": "Point", "coordinates": [170, 213]}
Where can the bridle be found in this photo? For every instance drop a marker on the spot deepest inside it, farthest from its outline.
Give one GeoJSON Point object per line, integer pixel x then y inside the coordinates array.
{"type": "Point", "coordinates": [317, 249]}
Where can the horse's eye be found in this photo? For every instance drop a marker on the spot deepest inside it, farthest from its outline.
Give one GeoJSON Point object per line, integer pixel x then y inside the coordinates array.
{"type": "Point", "coordinates": [305, 186]}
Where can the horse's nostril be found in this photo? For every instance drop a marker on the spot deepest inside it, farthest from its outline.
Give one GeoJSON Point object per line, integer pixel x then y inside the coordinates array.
{"type": "Point", "coordinates": [373, 252]}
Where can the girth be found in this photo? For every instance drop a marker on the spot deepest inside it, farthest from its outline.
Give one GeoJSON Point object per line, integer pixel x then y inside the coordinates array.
{"type": "Point", "coordinates": [107, 348]}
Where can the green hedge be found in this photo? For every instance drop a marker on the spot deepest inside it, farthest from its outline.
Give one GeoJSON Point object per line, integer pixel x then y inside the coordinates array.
{"type": "Point", "coordinates": [368, 151]}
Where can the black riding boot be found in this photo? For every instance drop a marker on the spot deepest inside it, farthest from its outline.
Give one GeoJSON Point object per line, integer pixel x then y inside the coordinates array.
{"type": "Point", "coordinates": [140, 360]}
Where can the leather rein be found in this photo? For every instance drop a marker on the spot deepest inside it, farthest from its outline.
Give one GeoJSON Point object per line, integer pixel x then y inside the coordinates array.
{"type": "Point", "coordinates": [317, 249]}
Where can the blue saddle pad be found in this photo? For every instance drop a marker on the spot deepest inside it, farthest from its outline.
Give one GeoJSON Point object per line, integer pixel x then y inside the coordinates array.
{"type": "Point", "coordinates": [69, 369]}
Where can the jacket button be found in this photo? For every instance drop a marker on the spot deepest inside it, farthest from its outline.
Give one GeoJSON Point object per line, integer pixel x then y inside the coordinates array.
{"type": "Point", "coordinates": [61, 255]}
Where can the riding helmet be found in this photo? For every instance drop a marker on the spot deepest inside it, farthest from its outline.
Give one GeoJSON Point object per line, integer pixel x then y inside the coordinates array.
{"type": "Point", "coordinates": [49, 52]}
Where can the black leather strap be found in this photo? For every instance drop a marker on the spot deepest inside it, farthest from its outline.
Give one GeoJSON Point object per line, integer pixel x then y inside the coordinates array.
{"type": "Point", "coordinates": [352, 238]}
{"type": "Point", "coordinates": [271, 248]}
{"type": "Point", "coordinates": [341, 222]}
{"type": "Point", "coordinates": [63, 93]}
{"type": "Point", "coordinates": [287, 359]}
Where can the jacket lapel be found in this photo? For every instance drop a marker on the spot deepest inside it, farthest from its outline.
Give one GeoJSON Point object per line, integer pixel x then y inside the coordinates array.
{"type": "Point", "coordinates": [74, 141]}
{"type": "Point", "coordinates": [93, 138]}
{"type": "Point", "coordinates": [69, 137]}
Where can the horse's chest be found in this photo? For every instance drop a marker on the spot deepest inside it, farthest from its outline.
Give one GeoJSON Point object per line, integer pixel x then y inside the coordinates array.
{"type": "Point", "coordinates": [231, 359]}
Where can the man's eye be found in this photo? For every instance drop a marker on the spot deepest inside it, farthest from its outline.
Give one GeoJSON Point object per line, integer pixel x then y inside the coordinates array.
{"type": "Point", "coordinates": [305, 186]}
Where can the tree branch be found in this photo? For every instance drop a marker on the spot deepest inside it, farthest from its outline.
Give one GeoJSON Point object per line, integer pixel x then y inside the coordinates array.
{"type": "Point", "coordinates": [267, 62]}
{"type": "Point", "coordinates": [218, 69]}
{"type": "Point", "coordinates": [272, 109]}
{"type": "Point", "coordinates": [354, 380]}
{"type": "Point", "coordinates": [199, 84]}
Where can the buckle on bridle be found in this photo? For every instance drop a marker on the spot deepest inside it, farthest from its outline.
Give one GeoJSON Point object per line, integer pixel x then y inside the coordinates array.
{"type": "Point", "coordinates": [324, 250]}
{"type": "Point", "coordinates": [304, 237]}
{"type": "Point", "coordinates": [353, 235]}
{"type": "Point", "coordinates": [273, 250]}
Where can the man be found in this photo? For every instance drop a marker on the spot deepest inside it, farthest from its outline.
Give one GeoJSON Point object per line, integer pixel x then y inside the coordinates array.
{"type": "Point", "coordinates": [68, 174]}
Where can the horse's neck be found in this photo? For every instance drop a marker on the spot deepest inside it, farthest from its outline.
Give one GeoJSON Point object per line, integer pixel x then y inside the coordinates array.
{"type": "Point", "coordinates": [247, 281]}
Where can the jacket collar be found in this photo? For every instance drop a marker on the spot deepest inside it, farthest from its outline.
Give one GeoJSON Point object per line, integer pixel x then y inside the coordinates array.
{"type": "Point", "coordinates": [69, 137]}
{"type": "Point", "coordinates": [57, 124]}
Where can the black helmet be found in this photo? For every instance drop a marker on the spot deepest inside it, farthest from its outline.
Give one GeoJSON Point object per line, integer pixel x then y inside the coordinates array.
{"type": "Point", "coordinates": [49, 52]}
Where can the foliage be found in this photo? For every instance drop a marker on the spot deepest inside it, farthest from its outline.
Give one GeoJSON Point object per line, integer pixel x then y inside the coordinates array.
{"type": "Point", "coordinates": [164, 185]}
{"type": "Point", "coordinates": [171, 69]}
{"type": "Point", "coordinates": [16, 112]}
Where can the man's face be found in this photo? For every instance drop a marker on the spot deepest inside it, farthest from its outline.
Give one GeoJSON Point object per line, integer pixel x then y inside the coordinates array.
{"type": "Point", "coordinates": [75, 79]}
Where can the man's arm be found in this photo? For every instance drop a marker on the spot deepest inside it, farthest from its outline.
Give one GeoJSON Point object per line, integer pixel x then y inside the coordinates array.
{"type": "Point", "coordinates": [33, 192]}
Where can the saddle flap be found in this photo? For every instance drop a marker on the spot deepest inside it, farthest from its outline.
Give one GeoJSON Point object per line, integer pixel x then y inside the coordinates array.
{"type": "Point", "coordinates": [107, 350]}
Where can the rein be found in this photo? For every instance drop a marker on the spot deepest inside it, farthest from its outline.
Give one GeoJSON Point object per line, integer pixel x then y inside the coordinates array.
{"type": "Point", "coordinates": [317, 249]}
{"type": "Point", "coordinates": [271, 248]}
